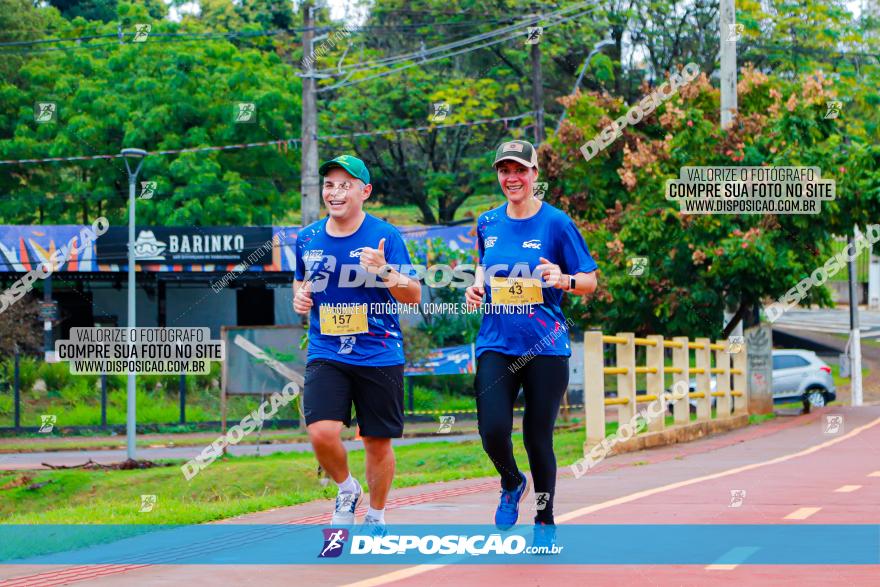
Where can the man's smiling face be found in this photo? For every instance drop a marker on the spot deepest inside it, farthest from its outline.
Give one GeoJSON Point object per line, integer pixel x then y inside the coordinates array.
{"type": "Point", "coordinates": [343, 194]}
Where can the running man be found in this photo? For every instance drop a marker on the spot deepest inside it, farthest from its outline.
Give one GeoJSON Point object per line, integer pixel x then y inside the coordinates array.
{"type": "Point", "coordinates": [530, 255]}
{"type": "Point", "coordinates": [347, 281]}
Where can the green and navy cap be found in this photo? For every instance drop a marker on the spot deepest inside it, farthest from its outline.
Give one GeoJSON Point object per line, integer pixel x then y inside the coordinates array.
{"type": "Point", "coordinates": [520, 151]}
{"type": "Point", "coordinates": [351, 164]}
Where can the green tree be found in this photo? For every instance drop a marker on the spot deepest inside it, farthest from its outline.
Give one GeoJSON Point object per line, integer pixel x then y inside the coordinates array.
{"type": "Point", "coordinates": [698, 265]}
{"type": "Point", "coordinates": [155, 95]}
{"type": "Point", "coordinates": [104, 10]}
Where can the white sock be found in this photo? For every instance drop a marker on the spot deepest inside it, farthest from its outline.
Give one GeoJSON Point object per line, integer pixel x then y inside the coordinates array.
{"type": "Point", "coordinates": [376, 514]}
{"type": "Point", "coordinates": [348, 486]}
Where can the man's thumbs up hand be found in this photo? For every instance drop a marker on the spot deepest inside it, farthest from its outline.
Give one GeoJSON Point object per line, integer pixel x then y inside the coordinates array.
{"type": "Point", "coordinates": [373, 259]}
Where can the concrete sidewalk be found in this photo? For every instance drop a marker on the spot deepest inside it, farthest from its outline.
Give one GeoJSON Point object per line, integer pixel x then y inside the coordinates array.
{"type": "Point", "coordinates": [35, 460]}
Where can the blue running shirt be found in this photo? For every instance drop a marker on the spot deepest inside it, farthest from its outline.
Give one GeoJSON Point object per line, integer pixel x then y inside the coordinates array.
{"type": "Point", "coordinates": [514, 246]}
{"type": "Point", "coordinates": [328, 261]}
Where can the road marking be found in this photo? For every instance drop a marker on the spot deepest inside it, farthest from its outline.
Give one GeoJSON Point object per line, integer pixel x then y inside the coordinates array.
{"type": "Point", "coordinates": [801, 513]}
{"type": "Point", "coordinates": [395, 576]}
{"type": "Point", "coordinates": [874, 474]}
{"type": "Point", "coordinates": [418, 570]}
{"type": "Point", "coordinates": [648, 492]}
{"type": "Point", "coordinates": [732, 558]}
{"type": "Point", "coordinates": [847, 488]}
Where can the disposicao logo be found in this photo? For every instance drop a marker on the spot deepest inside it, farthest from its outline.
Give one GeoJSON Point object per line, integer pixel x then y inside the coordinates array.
{"type": "Point", "coordinates": [334, 541]}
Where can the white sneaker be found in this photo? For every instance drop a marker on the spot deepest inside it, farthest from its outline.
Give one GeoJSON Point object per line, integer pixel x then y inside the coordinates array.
{"type": "Point", "coordinates": [346, 504]}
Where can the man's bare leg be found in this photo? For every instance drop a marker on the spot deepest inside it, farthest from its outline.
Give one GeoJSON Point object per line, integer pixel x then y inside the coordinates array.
{"type": "Point", "coordinates": [329, 450]}
{"type": "Point", "coordinates": [332, 456]}
{"type": "Point", "coordinates": [380, 469]}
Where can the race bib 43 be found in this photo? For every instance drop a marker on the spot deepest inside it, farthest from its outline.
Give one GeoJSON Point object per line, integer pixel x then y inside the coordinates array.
{"type": "Point", "coordinates": [516, 291]}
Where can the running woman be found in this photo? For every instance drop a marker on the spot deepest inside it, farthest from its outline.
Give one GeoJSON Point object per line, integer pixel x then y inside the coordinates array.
{"type": "Point", "coordinates": [531, 254]}
{"type": "Point", "coordinates": [347, 282]}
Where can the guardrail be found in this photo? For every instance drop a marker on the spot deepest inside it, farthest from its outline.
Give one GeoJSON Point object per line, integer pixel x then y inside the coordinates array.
{"type": "Point", "coordinates": [655, 370]}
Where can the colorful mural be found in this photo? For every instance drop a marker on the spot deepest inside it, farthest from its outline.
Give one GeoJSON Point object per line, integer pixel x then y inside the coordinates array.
{"type": "Point", "coordinates": [24, 247]}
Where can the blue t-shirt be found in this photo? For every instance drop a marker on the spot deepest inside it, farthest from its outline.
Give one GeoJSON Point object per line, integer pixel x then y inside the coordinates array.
{"type": "Point", "coordinates": [330, 262]}
{"type": "Point", "coordinates": [513, 247]}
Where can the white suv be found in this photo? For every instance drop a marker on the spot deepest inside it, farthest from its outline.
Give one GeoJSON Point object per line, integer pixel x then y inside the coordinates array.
{"type": "Point", "coordinates": [801, 375]}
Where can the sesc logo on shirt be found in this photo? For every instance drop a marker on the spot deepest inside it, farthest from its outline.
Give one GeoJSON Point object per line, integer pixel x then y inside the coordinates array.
{"type": "Point", "coordinates": [356, 253]}
{"type": "Point", "coordinates": [490, 241]}
{"type": "Point", "coordinates": [532, 244]}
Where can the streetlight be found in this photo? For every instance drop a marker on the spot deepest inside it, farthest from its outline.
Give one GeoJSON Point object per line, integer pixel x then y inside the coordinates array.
{"type": "Point", "coordinates": [139, 155]}
{"type": "Point", "coordinates": [596, 48]}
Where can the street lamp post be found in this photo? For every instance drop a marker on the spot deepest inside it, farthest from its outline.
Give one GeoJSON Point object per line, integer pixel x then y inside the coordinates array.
{"type": "Point", "coordinates": [139, 155]}
{"type": "Point", "coordinates": [855, 341]}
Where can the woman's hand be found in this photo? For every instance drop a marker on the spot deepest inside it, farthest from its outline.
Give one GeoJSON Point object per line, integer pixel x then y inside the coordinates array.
{"type": "Point", "coordinates": [551, 273]}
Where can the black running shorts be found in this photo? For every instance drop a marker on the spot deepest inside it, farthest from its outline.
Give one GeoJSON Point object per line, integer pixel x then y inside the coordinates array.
{"type": "Point", "coordinates": [376, 392]}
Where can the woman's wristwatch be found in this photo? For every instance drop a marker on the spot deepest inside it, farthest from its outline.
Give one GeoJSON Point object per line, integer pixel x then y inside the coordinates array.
{"type": "Point", "coordinates": [572, 283]}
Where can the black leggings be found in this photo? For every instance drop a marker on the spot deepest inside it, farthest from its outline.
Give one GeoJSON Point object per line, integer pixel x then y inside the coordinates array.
{"type": "Point", "coordinates": [544, 380]}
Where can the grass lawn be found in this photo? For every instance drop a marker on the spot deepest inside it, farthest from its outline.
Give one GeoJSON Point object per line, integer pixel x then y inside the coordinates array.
{"type": "Point", "coordinates": [39, 443]}
{"type": "Point", "coordinates": [119, 442]}
{"type": "Point", "coordinates": [163, 408]}
{"type": "Point", "coordinates": [234, 485]}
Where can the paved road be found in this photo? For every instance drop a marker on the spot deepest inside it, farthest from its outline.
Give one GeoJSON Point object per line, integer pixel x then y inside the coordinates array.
{"type": "Point", "coordinates": [835, 321]}
{"type": "Point", "coordinates": [35, 460]}
{"type": "Point", "coordinates": [791, 470]}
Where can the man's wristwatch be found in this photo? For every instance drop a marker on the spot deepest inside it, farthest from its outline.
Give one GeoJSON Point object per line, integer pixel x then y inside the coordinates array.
{"type": "Point", "coordinates": [386, 271]}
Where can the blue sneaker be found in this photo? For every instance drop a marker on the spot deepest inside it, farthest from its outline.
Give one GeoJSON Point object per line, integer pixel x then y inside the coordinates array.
{"type": "Point", "coordinates": [508, 508]}
{"type": "Point", "coordinates": [544, 539]}
{"type": "Point", "coordinates": [373, 527]}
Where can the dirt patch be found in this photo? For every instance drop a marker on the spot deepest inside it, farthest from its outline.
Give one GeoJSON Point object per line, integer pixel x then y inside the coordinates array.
{"type": "Point", "coordinates": [125, 465]}
{"type": "Point", "coordinates": [19, 481]}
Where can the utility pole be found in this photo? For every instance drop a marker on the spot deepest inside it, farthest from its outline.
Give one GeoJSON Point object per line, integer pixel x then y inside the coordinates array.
{"type": "Point", "coordinates": [309, 185]}
{"type": "Point", "coordinates": [855, 336]}
{"type": "Point", "coordinates": [534, 39]}
{"type": "Point", "coordinates": [728, 33]}
{"type": "Point", "coordinates": [728, 37]}
{"type": "Point", "coordinates": [537, 92]}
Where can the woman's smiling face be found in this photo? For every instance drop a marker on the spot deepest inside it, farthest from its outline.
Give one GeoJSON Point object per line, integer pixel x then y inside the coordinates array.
{"type": "Point", "coordinates": [516, 180]}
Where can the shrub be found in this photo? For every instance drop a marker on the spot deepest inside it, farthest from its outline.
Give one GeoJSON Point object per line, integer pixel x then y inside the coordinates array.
{"type": "Point", "coordinates": [27, 372]}
{"type": "Point", "coordinates": [56, 375]}
{"type": "Point", "coordinates": [80, 392]}
{"type": "Point", "coordinates": [6, 404]}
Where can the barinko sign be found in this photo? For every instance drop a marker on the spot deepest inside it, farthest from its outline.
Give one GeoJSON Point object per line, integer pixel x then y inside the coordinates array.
{"type": "Point", "coordinates": [186, 244]}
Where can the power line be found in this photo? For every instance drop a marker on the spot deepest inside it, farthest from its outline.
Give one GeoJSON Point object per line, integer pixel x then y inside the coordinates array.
{"type": "Point", "coordinates": [362, 66]}
{"type": "Point", "coordinates": [421, 54]}
{"type": "Point", "coordinates": [814, 50]}
{"type": "Point", "coordinates": [422, 129]}
{"type": "Point", "coordinates": [421, 61]}
{"type": "Point", "coordinates": [232, 35]}
{"type": "Point", "coordinates": [289, 141]}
